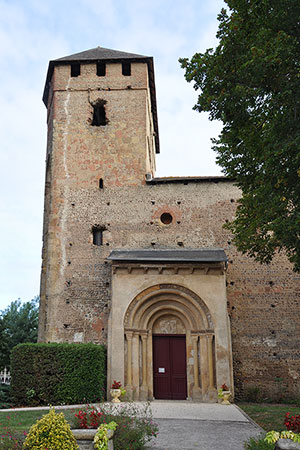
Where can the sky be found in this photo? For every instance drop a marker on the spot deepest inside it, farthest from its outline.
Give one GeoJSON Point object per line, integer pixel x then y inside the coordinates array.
{"type": "Point", "coordinates": [32, 32]}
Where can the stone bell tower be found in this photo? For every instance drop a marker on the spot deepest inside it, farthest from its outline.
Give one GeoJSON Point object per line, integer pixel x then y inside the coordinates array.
{"type": "Point", "coordinates": [102, 140]}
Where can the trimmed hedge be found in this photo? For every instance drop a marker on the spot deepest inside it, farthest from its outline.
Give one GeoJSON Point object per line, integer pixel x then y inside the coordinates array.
{"type": "Point", "coordinates": [44, 374]}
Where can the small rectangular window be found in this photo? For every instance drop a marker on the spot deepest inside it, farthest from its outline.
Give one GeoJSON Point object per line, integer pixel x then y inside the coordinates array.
{"type": "Point", "coordinates": [101, 69]}
{"type": "Point", "coordinates": [75, 70]}
{"type": "Point", "coordinates": [97, 236]}
{"type": "Point", "coordinates": [126, 69]}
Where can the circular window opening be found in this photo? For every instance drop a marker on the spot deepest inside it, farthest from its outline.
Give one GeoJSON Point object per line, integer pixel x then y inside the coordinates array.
{"type": "Point", "coordinates": [166, 218]}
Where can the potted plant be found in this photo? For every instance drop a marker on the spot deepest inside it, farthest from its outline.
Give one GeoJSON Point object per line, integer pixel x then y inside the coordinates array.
{"type": "Point", "coordinates": [224, 393]}
{"type": "Point", "coordinates": [116, 391]}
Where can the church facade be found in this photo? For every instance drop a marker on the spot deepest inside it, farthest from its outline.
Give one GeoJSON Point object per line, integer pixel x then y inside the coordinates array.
{"type": "Point", "coordinates": [142, 264]}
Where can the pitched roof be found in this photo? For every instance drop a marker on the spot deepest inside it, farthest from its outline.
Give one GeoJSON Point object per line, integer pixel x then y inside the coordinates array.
{"type": "Point", "coordinates": [112, 56]}
{"type": "Point", "coordinates": [100, 53]}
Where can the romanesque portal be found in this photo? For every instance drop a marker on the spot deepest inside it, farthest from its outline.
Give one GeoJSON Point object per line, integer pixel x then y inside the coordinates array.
{"type": "Point", "coordinates": [167, 345]}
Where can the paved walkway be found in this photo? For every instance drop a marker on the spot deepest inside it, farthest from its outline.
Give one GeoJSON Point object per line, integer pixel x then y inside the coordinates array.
{"type": "Point", "coordinates": [188, 426]}
{"type": "Point", "coordinates": [184, 425]}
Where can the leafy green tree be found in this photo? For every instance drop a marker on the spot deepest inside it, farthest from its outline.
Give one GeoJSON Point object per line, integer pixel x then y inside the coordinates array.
{"type": "Point", "coordinates": [3, 345]}
{"type": "Point", "coordinates": [251, 82]}
{"type": "Point", "coordinates": [18, 324]}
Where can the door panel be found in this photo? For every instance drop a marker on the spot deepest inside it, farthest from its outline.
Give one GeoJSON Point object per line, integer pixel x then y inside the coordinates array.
{"type": "Point", "coordinates": [161, 363]}
{"type": "Point", "coordinates": [169, 366]}
{"type": "Point", "coordinates": [178, 368]}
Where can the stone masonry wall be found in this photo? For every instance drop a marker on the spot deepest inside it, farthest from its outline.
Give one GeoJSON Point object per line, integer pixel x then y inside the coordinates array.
{"type": "Point", "coordinates": [263, 301]}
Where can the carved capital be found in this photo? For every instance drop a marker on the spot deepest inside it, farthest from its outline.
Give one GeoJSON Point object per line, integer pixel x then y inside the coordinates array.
{"type": "Point", "coordinates": [144, 335]}
{"type": "Point", "coordinates": [129, 335]}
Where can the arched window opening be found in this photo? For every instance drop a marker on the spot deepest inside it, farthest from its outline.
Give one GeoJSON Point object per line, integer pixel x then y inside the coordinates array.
{"type": "Point", "coordinates": [99, 113]}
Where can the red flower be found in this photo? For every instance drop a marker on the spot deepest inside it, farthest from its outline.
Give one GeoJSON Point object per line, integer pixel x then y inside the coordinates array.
{"type": "Point", "coordinates": [116, 385]}
{"type": "Point", "coordinates": [224, 387]}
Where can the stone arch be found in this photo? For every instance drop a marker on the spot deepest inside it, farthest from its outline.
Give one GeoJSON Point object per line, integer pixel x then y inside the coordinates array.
{"type": "Point", "coordinates": [167, 296]}
{"type": "Point", "coordinates": [178, 305]}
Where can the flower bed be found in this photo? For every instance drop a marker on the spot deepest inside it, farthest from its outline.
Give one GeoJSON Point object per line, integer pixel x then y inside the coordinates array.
{"type": "Point", "coordinates": [135, 426]}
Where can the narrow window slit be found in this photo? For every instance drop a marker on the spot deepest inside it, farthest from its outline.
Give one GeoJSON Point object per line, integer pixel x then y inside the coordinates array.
{"type": "Point", "coordinates": [101, 69]}
{"type": "Point", "coordinates": [97, 236]}
{"type": "Point", "coordinates": [100, 183]}
{"type": "Point", "coordinates": [126, 69]}
{"type": "Point", "coordinates": [75, 70]}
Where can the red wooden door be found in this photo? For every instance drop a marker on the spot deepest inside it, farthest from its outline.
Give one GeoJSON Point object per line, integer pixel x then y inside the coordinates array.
{"type": "Point", "coordinates": [169, 367]}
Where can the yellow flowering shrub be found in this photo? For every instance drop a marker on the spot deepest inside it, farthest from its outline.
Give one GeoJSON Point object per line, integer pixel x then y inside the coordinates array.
{"type": "Point", "coordinates": [51, 432]}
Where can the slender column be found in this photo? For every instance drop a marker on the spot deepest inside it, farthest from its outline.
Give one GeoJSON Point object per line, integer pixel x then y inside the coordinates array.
{"type": "Point", "coordinates": [203, 366]}
{"type": "Point", "coordinates": [212, 392]}
{"type": "Point", "coordinates": [196, 389]}
{"type": "Point", "coordinates": [136, 365]}
{"type": "Point", "coordinates": [144, 388]}
{"type": "Point", "coordinates": [210, 362]}
{"type": "Point", "coordinates": [144, 359]}
{"type": "Point", "coordinates": [129, 335]}
{"type": "Point", "coordinates": [196, 365]}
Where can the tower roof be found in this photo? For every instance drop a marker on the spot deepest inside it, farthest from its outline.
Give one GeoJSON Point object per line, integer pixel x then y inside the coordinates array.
{"type": "Point", "coordinates": [101, 53]}
{"type": "Point", "coordinates": [111, 56]}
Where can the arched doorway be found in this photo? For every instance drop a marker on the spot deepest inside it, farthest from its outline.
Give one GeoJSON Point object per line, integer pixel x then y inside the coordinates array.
{"type": "Point", "coordinates": [169, 345]}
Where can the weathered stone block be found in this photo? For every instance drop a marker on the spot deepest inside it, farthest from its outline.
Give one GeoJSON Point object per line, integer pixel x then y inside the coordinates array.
{"type": "Point", "coordinates": [287, 444]}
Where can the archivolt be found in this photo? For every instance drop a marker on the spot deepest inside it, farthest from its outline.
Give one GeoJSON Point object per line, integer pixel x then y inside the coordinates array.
{"type": "Point", "coordinates": [164, 299]}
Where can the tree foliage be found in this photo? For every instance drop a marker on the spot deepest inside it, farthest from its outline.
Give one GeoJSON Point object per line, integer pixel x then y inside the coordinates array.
{"type": "Point", "coordinates": [251, 82]}
{"type": "Point", "coordinates": [18, 324]}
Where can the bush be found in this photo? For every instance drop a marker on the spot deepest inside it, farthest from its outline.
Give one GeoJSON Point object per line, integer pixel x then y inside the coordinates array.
{"type": "Point", "coordinates": [101, 437]}
{"type": "Point", "coordinates": [5, 399]}
{"type": "Point", "coordinates": [50, 432]}
{"type": "Point", "coordinates": [258, 444]}
{"type": "Point", "coordinates": [292, 423]}
{"type": "Point", "coordinates": [135, 426]}
{"type": "Point", "coordinates": [58, 373]}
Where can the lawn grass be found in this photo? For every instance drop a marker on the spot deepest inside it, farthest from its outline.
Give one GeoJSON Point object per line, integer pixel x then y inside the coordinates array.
{"type": "Point", "coordinates": [20, 421]}
{"type": "Point", "coordinates": [135, 426]}
{"type": "Point", "coordinates": [269, 416]}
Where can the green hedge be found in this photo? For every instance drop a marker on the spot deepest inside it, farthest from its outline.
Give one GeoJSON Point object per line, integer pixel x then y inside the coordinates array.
{"type": "Point", "coordinates": [5, 400]}
{"type": "Point", "coordinates": [55, 374]}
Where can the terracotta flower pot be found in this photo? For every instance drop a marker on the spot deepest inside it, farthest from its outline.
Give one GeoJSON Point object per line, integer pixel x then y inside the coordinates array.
{"type": "Point", "coordinates": [115, 393]}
